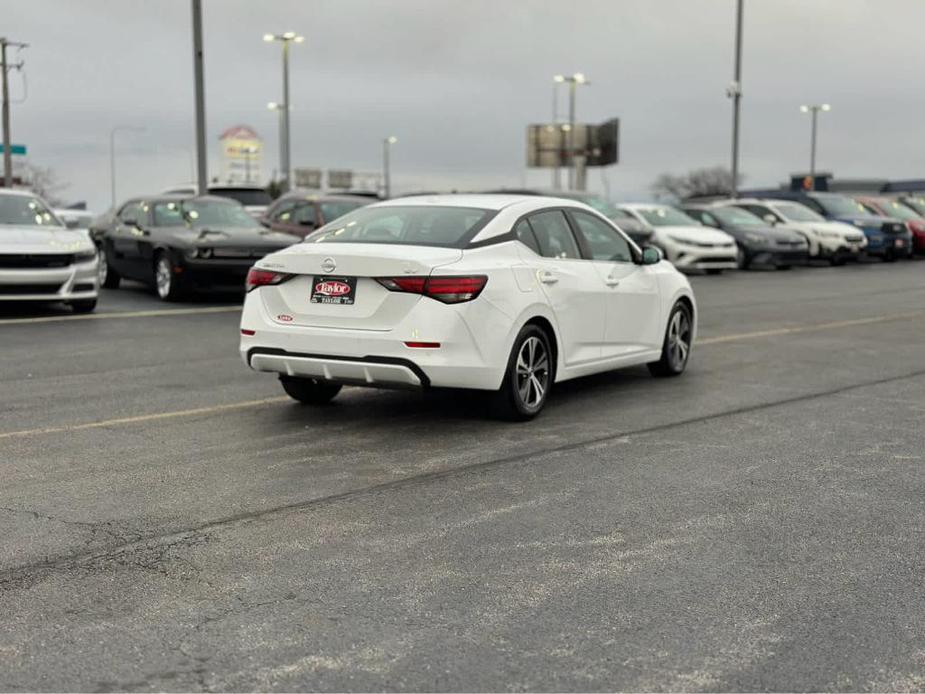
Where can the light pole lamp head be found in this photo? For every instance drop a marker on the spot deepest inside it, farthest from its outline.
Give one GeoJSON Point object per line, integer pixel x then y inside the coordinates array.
{"type": "Point", "coordinates": [804, 109]}
{"type": "Point", "coordinates": [391, 140]}
{"type": "Point", "coordinates": [826, 107]}
{"type": "Point", "coordinates": [273, 106]}
{"type": "Point", "coordinates": [579, 78]}
{"type": "Point", "coordinates": [558, 78]}
{"type": "Point", "coordinates": [269, 37]}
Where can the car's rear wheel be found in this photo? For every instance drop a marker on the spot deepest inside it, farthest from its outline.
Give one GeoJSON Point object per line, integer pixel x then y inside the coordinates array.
{"type": "Point", "coordinates": [309, 391]}
{"type": "Point", "coordinates": [165, 281]}
{"type": "Point", "coordinates": [838, 258]}
{"type": "Point", "coordinates": [676, 347]}
{"type": "Point", "coordinates": [107, 275]}
{"type": "Point", "coordinates": [529, 375]}
{"type": "Point", "coordinates": [714, 271]}
{"type": "Point", "coordinates": [83, 306]}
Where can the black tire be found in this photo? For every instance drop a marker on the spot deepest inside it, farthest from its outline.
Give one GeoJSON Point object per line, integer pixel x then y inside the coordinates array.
{"type": "Point", "coordinates": [530, 373]}
{"type": "Point", "coordinates": [107, 274]}
{"type": "Point", "coordinates": [166, 283]}
{"type": "Point", "coordinates": [742, 259]}
{"type": "Point", "coordinates": [309, 391]}
{"type": "Point", "coordinates": [83, 306]}
{"type": "Point", "coordinates": [784, 267]}
{"type": "Point", "coordinates": [714, 271]}
{"type": "Point", "coordinates": [674, 356]}
{"type": "Point", "coordinates": [889, 256]}
{"type": "Point", "coordinates": [838, 258]}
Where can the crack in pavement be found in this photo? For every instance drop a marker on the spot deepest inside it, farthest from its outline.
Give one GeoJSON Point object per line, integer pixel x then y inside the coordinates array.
{"type": "Point", "coordinates": [30, 574]}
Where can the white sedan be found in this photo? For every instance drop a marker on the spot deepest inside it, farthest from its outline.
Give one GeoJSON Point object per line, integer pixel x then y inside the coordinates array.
{"type": "Point", "coordinates": [685, 241]}
{"type": "Point", "coordinates": [40, 259]}
{"type": "Point", "coordinates": [500, 293]}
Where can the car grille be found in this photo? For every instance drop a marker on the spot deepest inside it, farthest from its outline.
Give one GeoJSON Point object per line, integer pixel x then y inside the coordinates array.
{"type": "Point", "coordinates": [892, 228]}
{"type": "Point", "coordinates": [15, 289]}
{"type": "Point", "coordinates": [855, 239]}
{"type": "Point", "coordinates": [237, 253]}
{"type": "Point", "coordinates": [712, 259]}
{"type": "Point", "coordinates": [35, 260]}
{"type": "Point", "coordinates": [790, 244]}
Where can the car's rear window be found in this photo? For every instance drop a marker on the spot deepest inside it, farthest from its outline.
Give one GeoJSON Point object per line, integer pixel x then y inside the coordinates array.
{"type": "Point", "coordinates": [245, 196]}
{"type": "Point", "coordinates": [406, 225]}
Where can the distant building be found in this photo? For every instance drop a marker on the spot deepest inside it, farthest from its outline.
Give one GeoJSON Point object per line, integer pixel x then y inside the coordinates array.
{"type": "Point", "coordinates": [242, 149]}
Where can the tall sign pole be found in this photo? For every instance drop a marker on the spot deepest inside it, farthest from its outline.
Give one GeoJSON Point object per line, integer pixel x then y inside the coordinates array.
{"type": "Point", "coordinates": [735, 93]}
{"type": "Point", "coordinates": [5, 68]}
{"type": "Point", "coordinates": [202, 176]}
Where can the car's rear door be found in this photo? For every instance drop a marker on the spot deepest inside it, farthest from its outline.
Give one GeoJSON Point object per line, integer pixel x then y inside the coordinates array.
{"type": "Point", "coordinates": [571, 285]}
{"type": "Point", "coordinates": [633, 305]}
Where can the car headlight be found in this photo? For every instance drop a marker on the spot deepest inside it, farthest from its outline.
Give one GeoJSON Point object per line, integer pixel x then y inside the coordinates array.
{"type": "Point", "coordinates": [829, 234]}
{"type": "Point", "coordinates": [756, 238]}
{"type": "Point", "coordinates": [199, 253]}
{"type": "Point", "coordinates": [85, 256]}
{"type": "Point", "coordinates": [858, 222]}
{"type": "Point", "coordinates": [682, 241]}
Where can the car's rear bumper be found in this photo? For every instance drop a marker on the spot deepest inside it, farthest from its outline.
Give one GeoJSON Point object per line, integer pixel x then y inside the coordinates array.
{"type": "Point", "coordinates": [376, 372]}
{"type": "Point", "coordinates": [72, 283]}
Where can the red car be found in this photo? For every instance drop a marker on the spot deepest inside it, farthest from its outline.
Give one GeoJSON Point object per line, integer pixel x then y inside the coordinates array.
{"type": "Point", "coordinates": [914, 219]}
{"type": "Point", "coordinates": [300, 212]}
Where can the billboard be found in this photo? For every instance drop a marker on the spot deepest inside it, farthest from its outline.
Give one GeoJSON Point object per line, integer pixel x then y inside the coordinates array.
{"type": "Point", "coordinates": [242, 149]}
{"type": "Point", "coordinates": [307, 178]}
{"type": "Point", "coordinates": [548, 144]}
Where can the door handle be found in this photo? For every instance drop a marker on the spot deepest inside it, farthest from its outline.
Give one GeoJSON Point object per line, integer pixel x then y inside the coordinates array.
{"type": "Point", "coordinates": [612, 282]}
{"type": "Point", "coordinates": [548, 278]}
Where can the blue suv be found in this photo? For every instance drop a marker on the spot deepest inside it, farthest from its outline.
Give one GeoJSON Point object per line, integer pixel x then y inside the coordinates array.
{"type": "Point", "coordinates": [887, 237]}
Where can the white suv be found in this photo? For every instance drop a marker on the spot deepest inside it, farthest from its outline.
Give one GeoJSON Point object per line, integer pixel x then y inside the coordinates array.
{"type": "Point", "coordinates": [832, 241]}
{"type": "Point", "coordinates": [686, 242]}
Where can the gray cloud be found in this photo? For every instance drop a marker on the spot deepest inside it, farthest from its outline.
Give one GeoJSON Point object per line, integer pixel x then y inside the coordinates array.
{"type": "Point", "coordinates": [458, 80]}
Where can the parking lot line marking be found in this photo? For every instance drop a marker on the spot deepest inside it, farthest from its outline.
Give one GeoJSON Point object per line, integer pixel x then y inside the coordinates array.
{"type": "Point", "coordinates": [812, 327]}
{"type": "Point", "coordinates": [213, 409]}
{"type": "Point", "coordinates": [124, 314]}
{"type": "Point", "coordinates": [268, 401]}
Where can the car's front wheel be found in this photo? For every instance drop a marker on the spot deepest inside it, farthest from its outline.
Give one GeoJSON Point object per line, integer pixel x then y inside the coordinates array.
{"type": "Point", "coordinates": [107, 275]}
{"type": "Point", "coordinates": [528, 377]}
{"type": "Point", "coordinates": [676, 347]}
{"type": "Point", "coordinates": [309, 391]}
{"type": "Point", "coordinates": [165, 281]}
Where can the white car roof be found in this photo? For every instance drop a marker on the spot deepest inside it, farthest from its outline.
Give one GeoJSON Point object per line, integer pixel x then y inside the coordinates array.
{"type": "Point", "coordinates": [643, 205]}
{"type": "Point", "coordinates": [19, 192]}
{"type": "Point", "coordinates": [486, 201]}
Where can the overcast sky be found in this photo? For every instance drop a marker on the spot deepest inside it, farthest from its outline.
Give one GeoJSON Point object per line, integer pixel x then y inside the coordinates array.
{"type": "Point", "coordinates": [457, 81]}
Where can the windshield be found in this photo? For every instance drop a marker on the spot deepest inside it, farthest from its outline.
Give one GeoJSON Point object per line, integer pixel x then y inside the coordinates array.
{"type": "Point", "coordinates": [26, 210]}
{"type": "Point", "coordinates": [334, 209]}
{"type": "Point", "coordinates": [406, 225]}
{"type": "Point", "coordinates": [798, 213]}
{"type": "Point", "coordinates": [917, 204]}
{"type": "Point", "coordinates": [842, 206]}
{"type": "Point", "coordinates": [214, 213]}
{"type": "Point", "coordinates": [891, 208]}
{"type": "Point", "coordinates": [736, 216]}
{"type": "Point", "coordinates": [666, 217]}
{"type": "Point", "coordinates": [245, 196]}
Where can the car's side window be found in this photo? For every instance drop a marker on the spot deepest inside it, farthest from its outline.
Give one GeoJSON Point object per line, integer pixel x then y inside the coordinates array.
{"type": "Point", "coordinates": [168, 214]}
{"type": "Point", "coordinates": [131, 210]}
{"type": "Point", "coordinates": [525, 235]}
{"type": "Point", "coordinates": [553, 235]}
{"type": "Point", "coordinates": [762, 211]}
{"type": "Point", "coordinates": [304, 214]}
{"type": "Point", "coordinates": [813, 205]}
{"type": "Point", "coordinates": [283, 212]}
{"type": "Point", "coordinates": [604, 242]}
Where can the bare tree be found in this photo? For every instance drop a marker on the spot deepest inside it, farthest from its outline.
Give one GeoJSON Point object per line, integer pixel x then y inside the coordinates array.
{"type": "Point", "coordinates": [714, 180]}
{"type": "Point", "coordinates": [42, 180]}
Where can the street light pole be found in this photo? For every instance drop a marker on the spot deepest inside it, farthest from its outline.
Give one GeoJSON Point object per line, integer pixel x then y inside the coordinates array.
{"type": "Point", "coordinates": [112, 154]}
{"type": "Point", "coordinates": [285, 168]}
{"type": "Point", "coordinates": [735, 93]}
{"type": "Point", "coordinates": [556, 174]}
{"type": "Point", "coordinates": [813, 110]}
{"type": "Point", "coordinates": [202, 175]}
{"type": "Point", "coordinates": [386, 165]}
{"type": "Point", "coordinates": [576, 171]}
{"type": "Point", "coordinates": [273, 106]}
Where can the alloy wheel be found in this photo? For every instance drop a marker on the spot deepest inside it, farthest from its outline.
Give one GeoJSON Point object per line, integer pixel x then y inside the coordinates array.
{"type": "Point", "coordinates": [532, 370]}
{"type": "Point", "coordinates": [163, 278]}
{"type": "Point", "coordinates": [679, 340]}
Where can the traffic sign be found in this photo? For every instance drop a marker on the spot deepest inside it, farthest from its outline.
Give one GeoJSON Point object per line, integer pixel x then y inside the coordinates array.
{"type": "Point", "coordinates": [15, 149]}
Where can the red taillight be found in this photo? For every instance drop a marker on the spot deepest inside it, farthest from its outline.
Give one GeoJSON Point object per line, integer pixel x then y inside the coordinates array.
{"type": "Point", "coordinates": [449, 290]}
{"type": "Point", "coordinates": [245, 331]}
{"type": "Point", "coordinates": [261, 278]}
{"type": "Point", "coordinates": [423, 345]}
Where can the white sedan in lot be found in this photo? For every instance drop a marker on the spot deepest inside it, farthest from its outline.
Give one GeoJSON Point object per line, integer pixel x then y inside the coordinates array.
{"type": "Point", "coordinates": [501, 293]}
{"type": "Point", "coordinates": [41, 259]}
{"type": "Point", "coordinates": [686, 242]}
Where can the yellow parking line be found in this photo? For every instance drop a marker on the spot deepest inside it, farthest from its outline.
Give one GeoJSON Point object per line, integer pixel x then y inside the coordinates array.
{"type": "Point", "coordinates": [270, 401]}
{"type": "Point", "coordinates": [808, 328]}
{"type": "Point", "coordinates": [124, 314]}
{"type": "Point", "coordinates": [67, 428]}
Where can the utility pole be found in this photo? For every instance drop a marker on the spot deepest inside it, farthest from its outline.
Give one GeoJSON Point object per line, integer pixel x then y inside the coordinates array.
{"type": "Point", "coordinates": [285, 167]}
{"type": "Point", "coordinates": [556, 177]}
{"type": "Point", "coordinates": [202, 176]}
{"type": "Point", "coordinates": [7, 140]}
{"type": "Point", "coordinates": [735, 93]}
{"type": "Point", "coordinates": [387, 166]}
{"type": "Point", "coordinates": [814, 111]}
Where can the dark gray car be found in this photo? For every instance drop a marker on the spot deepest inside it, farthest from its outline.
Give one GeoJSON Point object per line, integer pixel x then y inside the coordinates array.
{"type": "Point", "coordinates": [179, 243]}
{"type": "Point", "coordinates": [758, 242]}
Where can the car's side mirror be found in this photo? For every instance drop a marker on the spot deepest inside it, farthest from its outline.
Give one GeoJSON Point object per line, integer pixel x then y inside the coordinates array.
{"type": "Point", "coordinates": [130, 222]}
{"type": "Point", "coordinates": [770, 219]}
{"type": "Point", "coordinates": [651, 255]}
{"type": "Point", "coordinates": [71, 223]}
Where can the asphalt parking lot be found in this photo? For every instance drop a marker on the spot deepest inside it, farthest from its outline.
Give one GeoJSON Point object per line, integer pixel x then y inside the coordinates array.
{"type": "Point", "coordinates": [169, 521]}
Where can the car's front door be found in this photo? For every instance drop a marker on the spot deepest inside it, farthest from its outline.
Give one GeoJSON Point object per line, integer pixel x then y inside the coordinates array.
{"type": "Point", "coordinates": [127, 231]}
{"type": "Point", "coordinates": [570, 284]}
{"type": "Point", "coordinates": [633, 304]}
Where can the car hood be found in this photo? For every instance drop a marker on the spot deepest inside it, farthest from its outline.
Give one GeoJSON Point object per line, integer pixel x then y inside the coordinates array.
{"type": "Point", "coordinates": [32, 239]}
{"type": "Point", "coordinates": [769, 232]}
{"type": "Point", "coordinates": [695, 233]}
{"type": "Point", "coordinates": [233, 237]}
{"type": "Point", "coordinates": [841, 227]}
